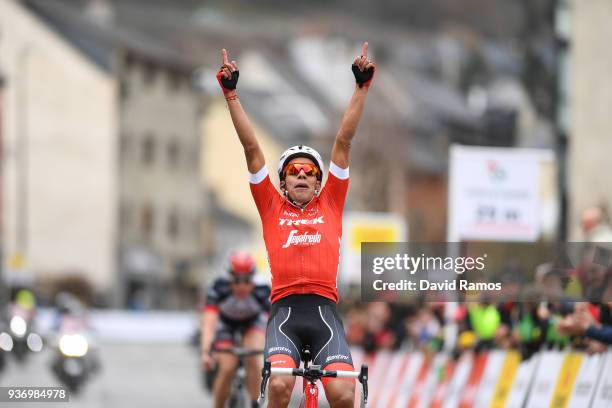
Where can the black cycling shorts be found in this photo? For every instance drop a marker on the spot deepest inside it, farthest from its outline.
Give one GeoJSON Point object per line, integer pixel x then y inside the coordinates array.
{"type": "Point", "coordinates": [300, 320]}
{"type": "Point", "coordinates": [226, 330]}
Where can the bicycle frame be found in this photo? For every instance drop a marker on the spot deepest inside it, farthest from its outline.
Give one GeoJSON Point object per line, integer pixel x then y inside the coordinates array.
{"type": "Point", "coordinates": [311, 392]}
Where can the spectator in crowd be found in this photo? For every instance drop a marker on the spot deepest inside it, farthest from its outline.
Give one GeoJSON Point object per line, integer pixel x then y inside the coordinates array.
{"type": "Point", "coordinates": [378, 333]}
{"type": "Point", "coordinates": [484, 319]}
{"type": "Point", "coordinates": [528, 326]}
{"type": "Point", "coordinates": [371, 327]}
{"type": "Point", "coordinates": [355, 325]}
{"type": "Point", "coordinates": [582, 323]}
{"type": "Point", "coordinates": [594, 226]}
{"type": "Point", "coordinates": [586, 280]}
{"type": "Point", "coordinates": [605, 307]}
{"type": "Point", "coordinates": [509, 307]}
{"type": "Point", "coordinates": [554, 305]}
{"type": "Point", "coordinates": [595, 326]}
{"type": "Point", "coordinates": [424, 329]}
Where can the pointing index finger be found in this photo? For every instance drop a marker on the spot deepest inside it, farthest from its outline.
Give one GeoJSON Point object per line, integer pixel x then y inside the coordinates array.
{"type": "Point", "coordinates": [364, 49]}
{"type": "Point", "coordinates": [224, 54]}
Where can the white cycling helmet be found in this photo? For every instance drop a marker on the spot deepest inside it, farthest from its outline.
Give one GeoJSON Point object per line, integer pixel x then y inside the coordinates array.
{"type": "Point", "coordinates": [300, 151]}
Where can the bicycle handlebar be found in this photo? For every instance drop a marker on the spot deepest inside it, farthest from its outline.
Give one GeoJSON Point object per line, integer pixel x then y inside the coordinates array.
{"type": "Point", "coordinates": [300, 372]}
{"type": "Point", "coordinates": [312, 373]}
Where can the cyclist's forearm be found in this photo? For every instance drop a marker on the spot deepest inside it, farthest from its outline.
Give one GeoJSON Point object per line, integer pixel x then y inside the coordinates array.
{"type": "Point", "coordinates": [246, 135]}
{"type": "Point", "coordinates": [209, 325]}
{"type": "Point", "coordinates": [348, 127]}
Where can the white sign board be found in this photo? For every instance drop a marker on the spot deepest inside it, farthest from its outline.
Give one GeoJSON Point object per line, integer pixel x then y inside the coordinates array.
{"type": "Point", "coordinates": [494, 193]}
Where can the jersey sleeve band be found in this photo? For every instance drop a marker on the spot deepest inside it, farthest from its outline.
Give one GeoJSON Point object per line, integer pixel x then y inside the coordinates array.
{"type": "Point", "coordinates": [339, 172]}
{"type": "Point", "coordinates": [259, 176]}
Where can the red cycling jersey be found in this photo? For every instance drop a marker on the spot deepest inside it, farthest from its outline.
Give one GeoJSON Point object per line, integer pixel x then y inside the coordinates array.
{"type": "Point", "coordinates": [303, 245]}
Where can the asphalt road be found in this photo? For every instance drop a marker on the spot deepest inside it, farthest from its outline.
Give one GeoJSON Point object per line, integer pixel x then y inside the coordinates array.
{"type": "Point", "coordinates": [132, 375]}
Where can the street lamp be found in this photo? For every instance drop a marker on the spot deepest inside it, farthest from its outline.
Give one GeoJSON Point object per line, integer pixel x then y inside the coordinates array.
{"type": "Point", "coordinates": [3, 292]}
{"type": "Point", "coordinates": [21, 207]}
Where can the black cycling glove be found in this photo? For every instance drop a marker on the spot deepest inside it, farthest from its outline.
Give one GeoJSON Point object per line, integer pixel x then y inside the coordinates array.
{"type": "Point", "coordinates": [363, 77]}
{"type": "Point", "coordinates": [228, 84]}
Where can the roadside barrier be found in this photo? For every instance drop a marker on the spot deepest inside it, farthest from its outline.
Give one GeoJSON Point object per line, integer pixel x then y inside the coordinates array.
{"type": "Point", "coordinates": [495, 379]}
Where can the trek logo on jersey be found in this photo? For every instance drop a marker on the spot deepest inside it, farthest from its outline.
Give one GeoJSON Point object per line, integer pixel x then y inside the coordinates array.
{"type": "Point", "coordinates": [336, 357]}
{"type": "Point", "coordinates": [303, 239]}
{"type": "Point", "coordinates": [314, 221]}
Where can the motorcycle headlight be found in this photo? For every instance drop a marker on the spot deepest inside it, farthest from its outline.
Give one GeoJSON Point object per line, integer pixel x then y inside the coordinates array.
{"type": "Point", "coordinates": [34, 342]}
{"type": "Point", "coordinates": [73, 345]}
{"type": "Point", "coordinates": [6, 341]}
{"type": "Point", "coordinates": [18, 326]}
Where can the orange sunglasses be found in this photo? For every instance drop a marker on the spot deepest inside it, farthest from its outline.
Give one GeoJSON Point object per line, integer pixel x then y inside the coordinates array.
{"type": "Point", "coordinates": [293, 169]}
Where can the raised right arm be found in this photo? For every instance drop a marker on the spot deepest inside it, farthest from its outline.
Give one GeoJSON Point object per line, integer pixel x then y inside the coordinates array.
{"type": "Point", "coordinates": [228, 78]}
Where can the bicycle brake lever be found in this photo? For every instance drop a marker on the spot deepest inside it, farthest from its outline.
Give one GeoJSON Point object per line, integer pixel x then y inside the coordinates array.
{"type": "Point", "coordinates": [363, 379]}
{"type": "Point", "coordinates": [265, 376]}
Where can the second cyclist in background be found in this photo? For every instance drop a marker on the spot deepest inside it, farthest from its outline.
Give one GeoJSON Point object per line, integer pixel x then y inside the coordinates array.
{"type": "Point", "coordinates": [235, 305]}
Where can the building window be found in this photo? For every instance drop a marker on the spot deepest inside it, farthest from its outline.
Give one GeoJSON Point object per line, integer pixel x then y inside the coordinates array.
{"type": "Point", "coordinates": [124, 88]}
{"type": "Point", "coordinates": [195, 156]}
{"type": "Point", "coordinates": [148, 149]}
{"type": "Point", "coordinates": [125, 143]}
{"type": "Point", "coordinates": [173, 153]}
{"type": "Point", "coordinates": [197, 228]}
{"type": "Point", "coordinates": [174, 81]}
{"type": "Point", "coordinates": [125, 216]}
{"type": "Point", "coordinates": [173, 225]}
{"type": "Point", "coordinates": [149, 73]}
{"type": "Point", "coordinates": [147, 221]}
{"type": "Point", "coordinates": [128, 62]}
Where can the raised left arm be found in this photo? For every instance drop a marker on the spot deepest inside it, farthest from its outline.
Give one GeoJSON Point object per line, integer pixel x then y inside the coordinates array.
{"type": "Point", "coordinates": [363, 69]}
{"type": "Point", "coordinates": [350, 120]}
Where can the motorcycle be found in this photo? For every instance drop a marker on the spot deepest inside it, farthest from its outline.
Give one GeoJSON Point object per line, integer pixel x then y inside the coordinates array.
{"type": "Point", "coordinates": [73, 362]}
{"type": "Point", "coordinates": [23, 338]}
{"type": "Point", "coordinates": [6, 344]}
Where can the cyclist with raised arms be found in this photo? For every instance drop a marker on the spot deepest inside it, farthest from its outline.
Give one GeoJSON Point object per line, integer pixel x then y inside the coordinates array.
{"type": "Point", "coordinates": [302, 228]}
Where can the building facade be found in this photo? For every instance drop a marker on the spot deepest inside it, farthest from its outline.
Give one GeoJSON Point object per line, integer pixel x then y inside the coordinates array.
{"type": "Point", "coordinates": [101, 157]}
{"type": "Point", "coordinates": [59, 153]}
{"type": "Point", "coordinates": [590, 98]}
{"type": "Point", "coordinates": [160, 197]}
